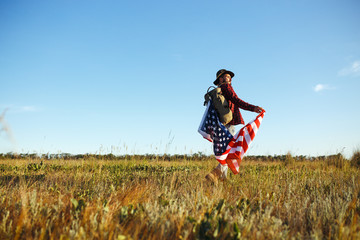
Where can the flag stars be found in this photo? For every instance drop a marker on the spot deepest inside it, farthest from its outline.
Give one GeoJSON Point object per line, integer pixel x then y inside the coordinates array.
{"type": "Point", "coordinates": [218, 133]}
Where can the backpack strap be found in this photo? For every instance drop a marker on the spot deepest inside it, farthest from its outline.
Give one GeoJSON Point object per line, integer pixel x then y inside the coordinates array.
{"type": "Point", "coordinates": [207, 95]}
{"type": "Point", "coordinates": [209, 88]}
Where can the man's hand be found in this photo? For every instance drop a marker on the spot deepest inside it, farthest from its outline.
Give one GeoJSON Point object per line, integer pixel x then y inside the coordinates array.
{"type": "Point", "coordinates": [259, 109]}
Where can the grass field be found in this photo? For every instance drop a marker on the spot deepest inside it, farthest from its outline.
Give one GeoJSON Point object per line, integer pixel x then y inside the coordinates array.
{"type": "Point", "coordinates": [143, 198]}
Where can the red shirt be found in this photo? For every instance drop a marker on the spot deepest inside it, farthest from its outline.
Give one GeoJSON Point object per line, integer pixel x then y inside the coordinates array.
{"type": "Point", "coordinates": [235, 103]}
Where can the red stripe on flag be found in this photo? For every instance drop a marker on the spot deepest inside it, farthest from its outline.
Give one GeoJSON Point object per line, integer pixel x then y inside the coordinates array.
{"type": "Point", "coordinates": [257, 122]}
{"type": "Point", "coordinates": [251, 132]}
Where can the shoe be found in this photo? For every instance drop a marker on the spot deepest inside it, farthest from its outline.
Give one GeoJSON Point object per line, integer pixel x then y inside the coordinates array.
{"type": "Point", "coordinates": [214, 176]}
{"type": "Point", "coordinates": [223, 178]}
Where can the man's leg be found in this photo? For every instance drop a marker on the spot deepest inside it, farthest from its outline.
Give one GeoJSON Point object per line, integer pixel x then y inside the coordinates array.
{"type": "Point", "coordinates": [220, 172]}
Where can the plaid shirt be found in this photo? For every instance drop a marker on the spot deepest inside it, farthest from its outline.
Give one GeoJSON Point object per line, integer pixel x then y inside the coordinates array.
{"type": "Point", "coordinates": [235, 103]}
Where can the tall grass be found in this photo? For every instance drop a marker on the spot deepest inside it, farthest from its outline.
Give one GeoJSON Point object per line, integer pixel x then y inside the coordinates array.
{"type": "Point", "coordinates": [143, 199]}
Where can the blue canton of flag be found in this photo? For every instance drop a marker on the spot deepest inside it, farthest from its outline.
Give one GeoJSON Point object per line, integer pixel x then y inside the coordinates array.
{"type": "Point", "coordinates": [213, 130]}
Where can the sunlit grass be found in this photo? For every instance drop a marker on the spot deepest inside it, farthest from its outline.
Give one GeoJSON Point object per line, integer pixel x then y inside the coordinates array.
{"type": "Point", "coordinates": [156, 199]}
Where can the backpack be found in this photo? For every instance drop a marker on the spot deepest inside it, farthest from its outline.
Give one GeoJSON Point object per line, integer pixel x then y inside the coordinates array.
{"type": "Point", "coordinates": [220, 104]}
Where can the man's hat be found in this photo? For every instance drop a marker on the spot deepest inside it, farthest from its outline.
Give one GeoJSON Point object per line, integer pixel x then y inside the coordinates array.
{"type": "Point", "coordinates": [222, 72]}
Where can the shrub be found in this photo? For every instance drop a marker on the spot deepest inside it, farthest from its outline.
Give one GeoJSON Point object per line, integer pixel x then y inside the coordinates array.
{"type": "Point", "coordinates": [355, 159]}
{"type": "Point", "coordinates": [289, 160]}
{"type": "Point", "coordinates": [337, 160]}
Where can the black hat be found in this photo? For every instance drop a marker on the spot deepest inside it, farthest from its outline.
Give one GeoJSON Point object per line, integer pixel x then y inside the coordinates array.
{"type": "Point", "coordinates": [222, 72]}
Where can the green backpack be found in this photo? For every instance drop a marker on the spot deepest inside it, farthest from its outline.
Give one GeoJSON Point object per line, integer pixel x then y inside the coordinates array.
{"type": "Point", "coordinates": [220, 104]}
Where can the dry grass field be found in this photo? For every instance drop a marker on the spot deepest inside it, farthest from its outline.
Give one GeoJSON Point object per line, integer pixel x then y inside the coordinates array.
{"type": "Point", "coordinates": [141, 198]}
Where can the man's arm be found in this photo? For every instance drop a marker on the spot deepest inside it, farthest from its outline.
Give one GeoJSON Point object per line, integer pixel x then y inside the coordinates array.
{"type": "Point", "coordinates": [229, 93]}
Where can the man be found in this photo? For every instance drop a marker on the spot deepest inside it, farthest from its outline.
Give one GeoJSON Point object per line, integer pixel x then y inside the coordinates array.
{"type": "Point", "coordinates": [223, 80]}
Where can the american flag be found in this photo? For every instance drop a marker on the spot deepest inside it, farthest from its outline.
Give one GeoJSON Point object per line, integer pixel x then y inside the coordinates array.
{"type": "Point", "coordinates": [228, 149]}
{"type": "Point", "coordinates": [214, 131]}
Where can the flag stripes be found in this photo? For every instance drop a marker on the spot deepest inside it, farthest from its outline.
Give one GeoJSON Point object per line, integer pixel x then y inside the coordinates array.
{"type": "Point", "coordinates": [239, 144]}
{"type": "Point", "coordinates": [228, 149]}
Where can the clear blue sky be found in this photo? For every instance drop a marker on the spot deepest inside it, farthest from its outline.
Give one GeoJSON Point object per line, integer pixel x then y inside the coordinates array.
{"type": "Point", "coordinates": [129, 76]}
